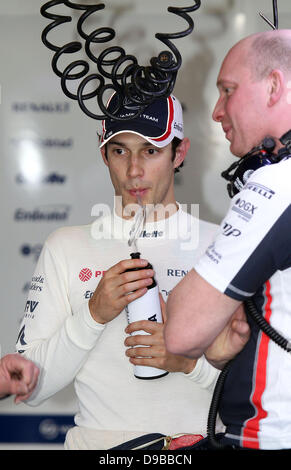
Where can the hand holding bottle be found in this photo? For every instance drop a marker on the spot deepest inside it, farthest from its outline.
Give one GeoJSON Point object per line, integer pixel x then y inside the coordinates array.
{"type": "Point", "coordinates": [120, 285]}
{"type": "Point", "coordinates": [147, 347]}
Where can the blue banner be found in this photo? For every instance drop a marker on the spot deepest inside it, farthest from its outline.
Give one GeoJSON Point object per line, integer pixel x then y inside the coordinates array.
{"type": "Point", "coordinates": [24, 428]}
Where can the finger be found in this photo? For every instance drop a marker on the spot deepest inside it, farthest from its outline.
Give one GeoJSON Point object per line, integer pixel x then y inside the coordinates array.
{"type": "Point", "coordinates": [146, 352]}
{"type": "Point", "coordinates": [241, 327]}
{"type": "Point", "coordinates": [18, 388]}
{"type": "Point", "coordinates": [19, 367]}
{"type": "Point", "coordinates": [136, 340]}
{"type": "Point", "coordinates": [14, 364]}
{"type": "Point", "coordinates": [150, 327]}
{"type": "Point", "coordinates": [130, 287]}
{"type": "Point", "coordinates": [163, 308]}
{"type": "Point", "coordinates": [21, 397]}
{"type": "Point", "coordinates": [126, 299]}
{"type": "Point", "coordinates": [34, 378]}
{"type": "Point", "coordinates": [145, 339]}
{"type": "Point", "coordinates": [23, 394]}
{"type": "Point", "coordinates": [29, 373]}
{"type": "Point", "coordinates": [140, 352]}
{"type": "Point", "coordinates": [127, 264]}
{"type": "Point", "coordinates": [123, 296]}
{"type": "Point", "coordinates": [22, 387]}
{"type": "Point", "coordinates": [131, 276]}
{"type": "Point", "coordinates": [148, 361]}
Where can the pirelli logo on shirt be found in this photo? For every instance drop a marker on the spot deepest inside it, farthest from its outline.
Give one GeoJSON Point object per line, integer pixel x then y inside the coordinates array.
{"type": "Point", "coordinates": [260, 189]}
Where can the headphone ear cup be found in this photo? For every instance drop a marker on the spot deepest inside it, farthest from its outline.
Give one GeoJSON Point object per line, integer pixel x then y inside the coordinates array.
{"type": "Point", "coordinates": [246, 167]}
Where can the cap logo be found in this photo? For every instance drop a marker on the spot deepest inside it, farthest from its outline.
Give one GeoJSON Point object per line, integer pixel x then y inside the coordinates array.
{"type": "Point", "coordinates": [178, 127]}
{"type": "Point", "coordinates": [129, 104]}
{"type": "Point", "coordinates": [125, 115]}
{"type": "Point", "coordinates": [150, 118]}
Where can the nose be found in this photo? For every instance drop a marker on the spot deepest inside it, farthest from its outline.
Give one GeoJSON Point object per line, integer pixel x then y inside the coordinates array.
{"type": "Point", "coordinates": [135, 167]}
{"type": "Point", "coordinates": [218, 111]}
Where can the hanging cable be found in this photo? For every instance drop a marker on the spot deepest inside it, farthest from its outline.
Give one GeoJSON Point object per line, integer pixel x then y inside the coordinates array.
{"type": "Point", "coordinates": [138, 85]}
{"type": "Point", "coordinates": [275, 24]}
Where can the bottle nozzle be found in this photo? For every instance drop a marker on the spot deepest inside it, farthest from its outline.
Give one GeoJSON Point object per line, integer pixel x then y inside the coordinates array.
{"type": "Point", "coordinates": [137, 225]}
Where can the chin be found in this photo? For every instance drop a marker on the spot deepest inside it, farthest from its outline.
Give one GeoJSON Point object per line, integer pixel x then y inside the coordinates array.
{"type": "Point", "coordinates": [237, 152]}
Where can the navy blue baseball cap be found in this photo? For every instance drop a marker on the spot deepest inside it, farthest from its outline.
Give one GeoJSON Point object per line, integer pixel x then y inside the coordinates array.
{"type": "Point", "coordinates": [159, 123]}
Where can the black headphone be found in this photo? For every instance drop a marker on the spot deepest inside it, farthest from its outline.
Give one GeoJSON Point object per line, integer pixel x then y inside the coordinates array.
{"type": "Point", "coordinates": [239, 172]}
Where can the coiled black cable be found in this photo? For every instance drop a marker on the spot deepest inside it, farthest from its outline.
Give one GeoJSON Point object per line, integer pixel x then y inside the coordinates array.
{"type": "Point", "coordinates": [139, 85]}
{"type": "Point", "coordinates": [214, 406]}
{"type": "Point", "coordinates": [213, 410]}
{"type": "Point", "coordinates": [266, 327]}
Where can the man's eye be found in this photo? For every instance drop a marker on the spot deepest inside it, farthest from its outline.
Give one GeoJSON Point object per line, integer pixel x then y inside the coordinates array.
{"type": "Point", "coordinates": [119, 151]}
{"type": "Point", "coordinates": [152, 151]}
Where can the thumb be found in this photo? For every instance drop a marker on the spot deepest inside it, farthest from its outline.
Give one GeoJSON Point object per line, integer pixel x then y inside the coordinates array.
{"type": "Point", "coordinates": [163, 308]}
{"type": "Point", "coordinates": [18, 388]}
{"type": "Point", "coordinates": [241, 328]}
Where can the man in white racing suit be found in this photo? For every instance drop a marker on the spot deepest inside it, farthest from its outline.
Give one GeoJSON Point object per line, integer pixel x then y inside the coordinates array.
{"type": "Point", "coordinates": [78, 330]}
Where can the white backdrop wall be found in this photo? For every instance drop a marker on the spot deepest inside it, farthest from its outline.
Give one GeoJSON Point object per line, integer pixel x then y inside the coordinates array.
{"type": "Point", "coordinates": [51, 171]}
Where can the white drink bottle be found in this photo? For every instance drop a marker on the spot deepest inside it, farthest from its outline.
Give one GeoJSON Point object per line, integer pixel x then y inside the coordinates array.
{"type": "Point", "coordinates": [146, 307]}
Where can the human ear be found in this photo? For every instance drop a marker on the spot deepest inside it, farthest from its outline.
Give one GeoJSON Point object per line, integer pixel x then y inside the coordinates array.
{"type": "Point", "coordinates": [275, 87]}
{"type": "Point", "coordinates": [104, 154]}
{"type": "Point", "coordinates": [181, 152]}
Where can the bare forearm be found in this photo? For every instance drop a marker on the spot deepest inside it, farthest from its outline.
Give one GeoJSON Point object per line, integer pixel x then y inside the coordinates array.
{"type": "Point", "coordinates": [196, 313]}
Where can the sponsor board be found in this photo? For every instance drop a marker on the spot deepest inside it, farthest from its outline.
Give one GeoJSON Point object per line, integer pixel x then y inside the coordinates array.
{"type": "Point", "coordinates": [49, 213]}
{"type": "Point", "coordinates": [53, 178]}
{"type": "Point", "coordinates": [45, 107]}
{"type": "Point", "coordinates": [27, 428]}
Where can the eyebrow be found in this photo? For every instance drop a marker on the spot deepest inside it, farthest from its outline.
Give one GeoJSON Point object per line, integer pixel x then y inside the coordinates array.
{"type": "Point", "coordinates": [223, 81]}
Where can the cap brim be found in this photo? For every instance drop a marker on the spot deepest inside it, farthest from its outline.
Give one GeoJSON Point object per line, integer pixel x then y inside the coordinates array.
{"type": "Point", "coordinates": [152, 134]}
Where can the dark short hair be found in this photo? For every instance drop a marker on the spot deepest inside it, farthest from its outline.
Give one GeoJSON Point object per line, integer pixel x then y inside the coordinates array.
{"type": "Point", "coordinates": [175, 143]}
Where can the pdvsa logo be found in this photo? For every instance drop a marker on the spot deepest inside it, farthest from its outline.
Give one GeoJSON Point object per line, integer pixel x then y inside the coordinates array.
{"type": "Point", "coordinates": [86, 274]}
